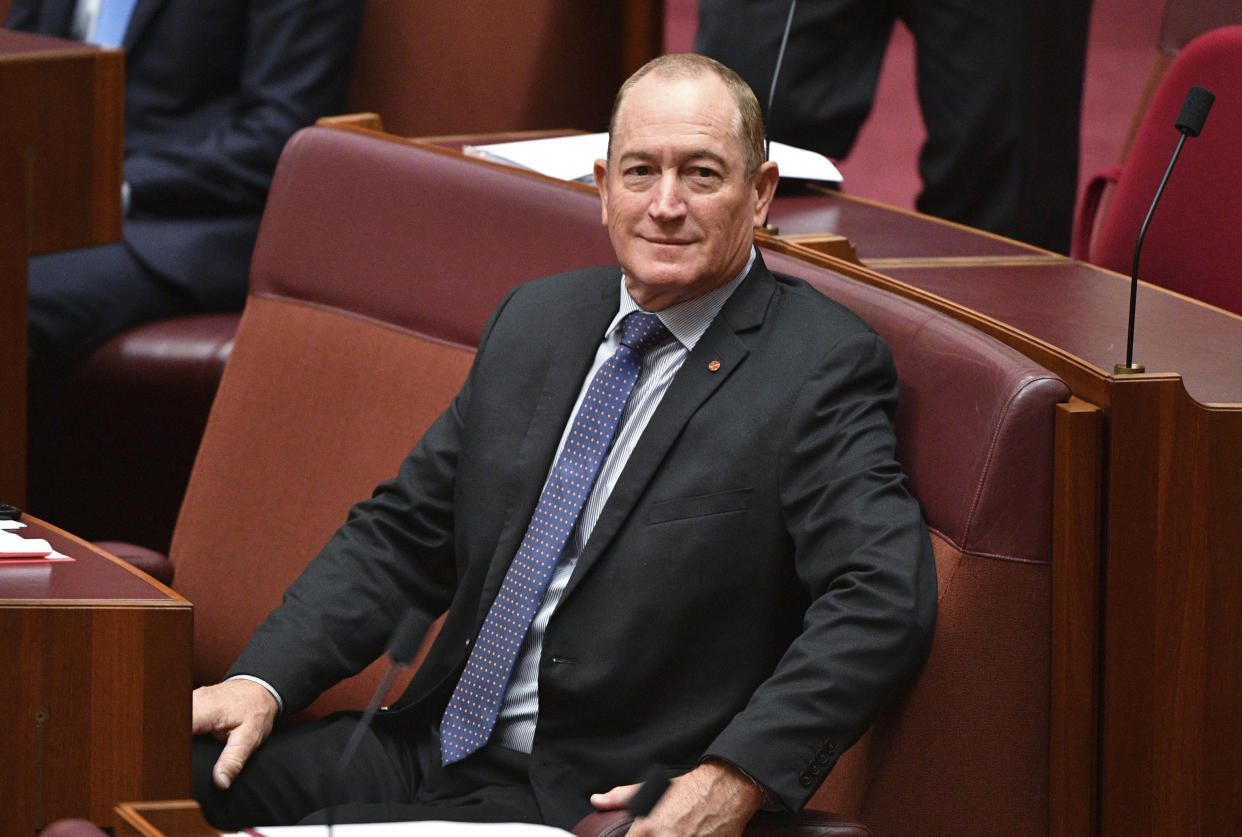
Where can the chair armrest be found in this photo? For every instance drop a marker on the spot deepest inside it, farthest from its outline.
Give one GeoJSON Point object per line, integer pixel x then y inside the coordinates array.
{"type": "Point", "coordinates": [154, 564]}
{"type": "Point", "coordinates": [72, 828]}
{"type": "Point", "coordinates": [1084, 224]}
{"type": "Point", "coordinates": [802, 824]}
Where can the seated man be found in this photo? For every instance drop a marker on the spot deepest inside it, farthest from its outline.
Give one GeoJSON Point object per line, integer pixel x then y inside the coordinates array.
{"type": "Point", "coordinates": [663, 515]}
{"type": "Point", "coordinates": [212, 92]}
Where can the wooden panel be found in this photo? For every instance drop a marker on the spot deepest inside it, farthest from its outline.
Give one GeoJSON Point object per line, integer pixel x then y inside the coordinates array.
{"type": "Point", "coordinates": [60, 187]}
{"type": "Point", "coordinates": [176, 818]}
{"type": "Point", "coordinates": [1171, 741]}
{"type": "Point", "coordinates": [95, 701]}
{"type": "Point", "coordinates": [1077, 502]}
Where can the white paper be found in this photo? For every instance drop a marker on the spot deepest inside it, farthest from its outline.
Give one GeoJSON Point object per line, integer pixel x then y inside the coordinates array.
{"type": "Point", "coordinates": [12, 544]}
{"type": "Point", "coordinates": [412, 829]}
{"type": "Point", "coordinates": [573, 157]}
{"type": "Point", "coordinates": [11, 524]}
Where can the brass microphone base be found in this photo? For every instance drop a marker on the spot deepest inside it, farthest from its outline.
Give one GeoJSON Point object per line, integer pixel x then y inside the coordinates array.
{"type": "Point", "coordinates": [1128, 369]}
{"type": "Point", "coordinates": [769, 229]}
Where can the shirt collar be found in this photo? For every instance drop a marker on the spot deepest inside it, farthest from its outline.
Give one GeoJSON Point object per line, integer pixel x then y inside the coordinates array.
{"type": "Point", "coordinates": [687, 321]}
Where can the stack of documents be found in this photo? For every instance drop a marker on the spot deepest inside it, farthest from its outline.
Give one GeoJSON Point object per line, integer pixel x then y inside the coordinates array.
{"type": "Point", "coordinates": [15, 548]}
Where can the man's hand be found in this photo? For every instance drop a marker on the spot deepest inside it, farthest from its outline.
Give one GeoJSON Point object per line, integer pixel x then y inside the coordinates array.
{"type": "Point", "coordinates": [239, 712]}
{"type": "Point", "coordinates": [713, 799]}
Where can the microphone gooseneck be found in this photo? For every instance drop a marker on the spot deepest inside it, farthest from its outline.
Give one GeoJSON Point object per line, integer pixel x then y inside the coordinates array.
{"type": "Point", "coordinates": [776, 74]}
{"type": "Point", "coordinates": [1189, 123]}
{"type": "Point", "coordinates": [402, 648]}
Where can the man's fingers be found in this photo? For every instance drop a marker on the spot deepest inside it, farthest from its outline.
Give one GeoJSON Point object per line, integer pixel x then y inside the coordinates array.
{"type": "Point", "coordinates": [241, 742]}
{"type": "Point", "coordinates": [618, 797]}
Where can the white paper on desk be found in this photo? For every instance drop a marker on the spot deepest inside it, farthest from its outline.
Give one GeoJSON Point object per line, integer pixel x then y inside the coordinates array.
{"type": "Point", "coordinates": [14, 545]}
{"type": "Point", "coordinates": [412, 829]}
{"type": "Point", "coordinates": [573, 157]}
{"type": "Point", "coordinates": [11, 524]}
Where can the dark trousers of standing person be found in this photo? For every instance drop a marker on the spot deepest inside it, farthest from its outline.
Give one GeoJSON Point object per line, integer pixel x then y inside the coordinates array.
{"type": "Point", "coordinates": [999, 84]}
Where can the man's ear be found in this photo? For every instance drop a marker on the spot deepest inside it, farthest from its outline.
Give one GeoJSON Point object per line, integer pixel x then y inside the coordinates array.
{"type": "Point", "coordinates": [601, 183]}
{"type": "Point", "coordinates": [766, 178]}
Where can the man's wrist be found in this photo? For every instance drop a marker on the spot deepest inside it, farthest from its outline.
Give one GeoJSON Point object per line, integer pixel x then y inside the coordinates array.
{"type": "Point", "coordinates": [280, 704]}
{"type": "Point", "coordinates": [768, 801]}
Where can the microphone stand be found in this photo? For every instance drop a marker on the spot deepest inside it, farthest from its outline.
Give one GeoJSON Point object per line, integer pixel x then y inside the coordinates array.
{"type": "Point", "coordinates": [765, 227]}
{"type": "Point", "coordinates": [1189, 123]}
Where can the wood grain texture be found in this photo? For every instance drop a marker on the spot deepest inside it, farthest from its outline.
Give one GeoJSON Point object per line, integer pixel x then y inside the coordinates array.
{"type": "Point", "coordinates": [95, 702]}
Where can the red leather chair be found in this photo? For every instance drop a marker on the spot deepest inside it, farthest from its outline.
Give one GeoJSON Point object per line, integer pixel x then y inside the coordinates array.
{"type": "Point", "coordinates": [1192, 245]}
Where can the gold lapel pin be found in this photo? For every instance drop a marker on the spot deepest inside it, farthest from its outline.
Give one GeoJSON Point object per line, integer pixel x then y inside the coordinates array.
{"type": "Point", "coordinates": [714, 366]}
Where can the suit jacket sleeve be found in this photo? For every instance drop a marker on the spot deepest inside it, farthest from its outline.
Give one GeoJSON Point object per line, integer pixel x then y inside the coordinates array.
{"type": "Point", "coordinates": [294, 68]}
{"type": "Point", "coordinates": [862, 551]}
{"type": "Point", "coordinates": [395, 554]}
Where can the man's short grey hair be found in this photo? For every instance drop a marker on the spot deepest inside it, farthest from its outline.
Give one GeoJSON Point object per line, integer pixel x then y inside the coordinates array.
{"type": "Point", "coordinates": [748, 121]}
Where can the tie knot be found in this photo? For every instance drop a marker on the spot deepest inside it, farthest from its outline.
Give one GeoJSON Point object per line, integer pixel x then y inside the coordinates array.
{"type": "Point", "coordinates": [642, 332]}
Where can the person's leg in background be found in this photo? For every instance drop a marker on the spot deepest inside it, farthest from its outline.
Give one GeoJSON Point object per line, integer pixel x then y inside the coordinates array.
{"type": "Point", "coordinates": [832, 61]}
{"type": "Point", "coordinates": [79, 298]}
{"type": "Point", "coordinates": [1000, 86]}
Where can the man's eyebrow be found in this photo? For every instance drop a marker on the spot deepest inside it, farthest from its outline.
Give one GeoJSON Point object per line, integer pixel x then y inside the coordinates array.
{"type": "Point", "coordinates": [648, 157]}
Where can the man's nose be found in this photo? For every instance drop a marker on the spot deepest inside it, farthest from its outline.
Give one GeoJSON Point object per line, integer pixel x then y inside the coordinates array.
{"type": "Point", "coordinates": [667, 201]}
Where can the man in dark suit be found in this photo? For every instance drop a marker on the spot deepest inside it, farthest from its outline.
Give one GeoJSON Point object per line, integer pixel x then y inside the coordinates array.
{"type": "Point", "coordinates": [742, 583]}
{"type": "Point", "coordinates": [213, 89]}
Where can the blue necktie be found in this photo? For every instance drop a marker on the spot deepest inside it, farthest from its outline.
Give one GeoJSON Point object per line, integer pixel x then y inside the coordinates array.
{"type": "Point", "coordinates": [471, 712]}
{"type": "Point", "coordinates": [113, 19]}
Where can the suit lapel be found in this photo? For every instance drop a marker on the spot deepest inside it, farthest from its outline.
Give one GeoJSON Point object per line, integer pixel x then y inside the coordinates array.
{"type": "Point", "coordinates": [144, 10]}
{"type": "Point", "coordinates": [573, 349]}
{"type": "Point", "coordinates": [696, 381]}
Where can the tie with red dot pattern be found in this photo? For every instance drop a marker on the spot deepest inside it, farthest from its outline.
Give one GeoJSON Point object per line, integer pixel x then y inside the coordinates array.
{"type": "Point", "coordinates": [471, 712]}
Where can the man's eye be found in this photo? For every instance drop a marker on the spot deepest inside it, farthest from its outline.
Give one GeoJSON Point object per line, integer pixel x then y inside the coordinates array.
{"type": "Point", "coordinates": [638, 171]}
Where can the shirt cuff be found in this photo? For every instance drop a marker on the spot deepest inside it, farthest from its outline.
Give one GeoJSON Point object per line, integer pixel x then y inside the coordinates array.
{"type": "Point", "coordinates": [272, 689]}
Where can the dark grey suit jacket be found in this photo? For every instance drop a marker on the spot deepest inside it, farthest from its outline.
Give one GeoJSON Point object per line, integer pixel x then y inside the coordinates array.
{"type": "Point", "coordinates": [757, 585]}
{"type": "Point", "coordinates": [213, 90]}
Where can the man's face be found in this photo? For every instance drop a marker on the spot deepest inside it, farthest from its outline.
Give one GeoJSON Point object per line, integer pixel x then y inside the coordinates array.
{"type": "Point", "coordinates": [678, 206]}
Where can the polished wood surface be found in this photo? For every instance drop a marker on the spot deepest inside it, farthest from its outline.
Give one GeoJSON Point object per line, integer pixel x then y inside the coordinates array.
{"type": "Point", "coordinates": [95, 697]}
{"type": "Point", "coordinates": [61, 108]}
{"type": "Point", "coordinates": [175, 818]}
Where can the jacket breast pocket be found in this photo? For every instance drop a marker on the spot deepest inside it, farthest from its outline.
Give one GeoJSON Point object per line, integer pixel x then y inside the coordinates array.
{"type": "Point", "coordinates": [703, 505]}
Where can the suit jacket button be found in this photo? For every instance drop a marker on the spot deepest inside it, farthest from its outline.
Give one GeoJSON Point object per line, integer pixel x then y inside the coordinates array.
{"type": "Point", "coordinates": [806, 779]}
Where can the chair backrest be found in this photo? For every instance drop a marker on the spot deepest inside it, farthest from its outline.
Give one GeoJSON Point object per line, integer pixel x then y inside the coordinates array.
{"type": "Point", "coordinates": [377, 265]}
{"type": "Point", "coordinates": [1192, 245]}
{"type": "Point", "coordinates": [969, 740]}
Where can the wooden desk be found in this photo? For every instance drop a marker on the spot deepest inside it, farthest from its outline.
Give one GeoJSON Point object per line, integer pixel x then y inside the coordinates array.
{"type": "Point", "coordinates": [60, 187]}
{"type": "Point", "coordinates": [95, 695]}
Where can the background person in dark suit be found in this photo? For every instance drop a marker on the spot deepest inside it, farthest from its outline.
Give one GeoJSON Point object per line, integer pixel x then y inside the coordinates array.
{"type": "Point", "coordinates": [213, 89]}
{"type": "Point", "coordinates": [748, 581]}
{"type": "Point", "coordinates": [999, 85]}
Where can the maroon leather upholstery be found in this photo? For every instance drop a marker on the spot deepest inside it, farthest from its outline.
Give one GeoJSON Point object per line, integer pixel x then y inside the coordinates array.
{"type": "Point", "coordinates": [452, 235]}
{"type": "Point", "coordinates": [1192, 245]}
{"type": "Point", "coordinates": [72, 828]}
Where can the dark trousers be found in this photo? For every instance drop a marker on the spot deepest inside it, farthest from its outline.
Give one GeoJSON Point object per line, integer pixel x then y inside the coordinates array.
{"type": "Point", "coordinates": [79, 298]}
{"type": "Point", "coordinates": [999, 84]}
{"type": "Point", "coordinates": [293, 778]}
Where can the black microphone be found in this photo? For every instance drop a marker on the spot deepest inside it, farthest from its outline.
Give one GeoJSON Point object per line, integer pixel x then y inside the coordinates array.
{"type": "Point", "coordinates": [776, 74]}
{"type": "Point", "coordinates": [402, 648]}
{"type": "Point", "coordinates": [1189, 122]}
